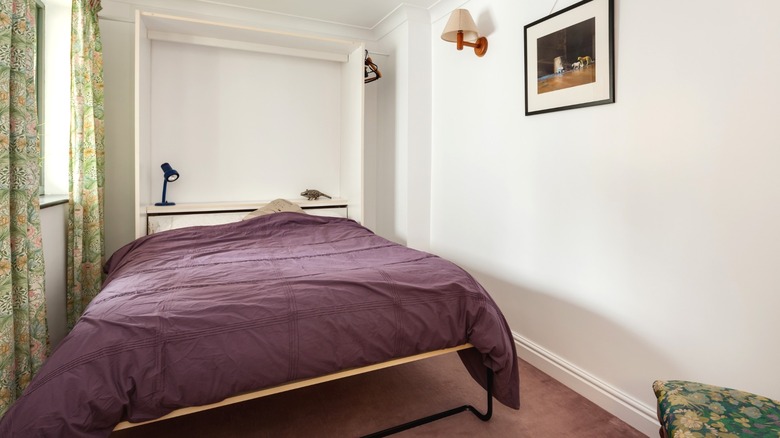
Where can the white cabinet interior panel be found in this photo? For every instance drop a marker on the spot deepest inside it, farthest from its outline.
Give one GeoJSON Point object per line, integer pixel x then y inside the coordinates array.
{"type": "Point", "coordinates": [244, 125]}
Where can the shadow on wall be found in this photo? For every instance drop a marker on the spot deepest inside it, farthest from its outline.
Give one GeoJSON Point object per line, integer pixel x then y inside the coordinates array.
{"type": "Point", "coordinates": [599, 350]}
{"type": "Point", "coordinates": [485, 23]}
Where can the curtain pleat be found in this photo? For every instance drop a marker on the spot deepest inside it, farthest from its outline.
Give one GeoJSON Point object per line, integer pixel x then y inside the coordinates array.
{"type": "Point", "coordinates": [85, 221]}
{"type": "Point", "coordinates": [24, 341]}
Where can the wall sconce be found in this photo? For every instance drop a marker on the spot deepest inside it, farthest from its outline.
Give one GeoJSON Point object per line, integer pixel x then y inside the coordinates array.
{"type": "Point", "coordinates": [170, 175]}
{"type": "Point", "coordinates": [462, 30]}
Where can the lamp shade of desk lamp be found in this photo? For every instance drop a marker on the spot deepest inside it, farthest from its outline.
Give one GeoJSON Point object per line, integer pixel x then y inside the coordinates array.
{"type": "Point", "coordinates": [461, 29]}
{"type": "Point", "coordinates": [170, 175]}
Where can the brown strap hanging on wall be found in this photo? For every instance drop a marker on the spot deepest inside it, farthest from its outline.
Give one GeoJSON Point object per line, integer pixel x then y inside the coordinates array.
{"type": "Point", "coordinates": [372, 72]}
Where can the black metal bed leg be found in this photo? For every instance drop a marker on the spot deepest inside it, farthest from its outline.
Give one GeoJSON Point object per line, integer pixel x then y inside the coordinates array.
{"type": "Point", "coordinates": [431, 418]}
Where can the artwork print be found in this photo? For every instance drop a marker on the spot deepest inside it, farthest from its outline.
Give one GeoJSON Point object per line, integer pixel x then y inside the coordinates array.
{"type": "Point", "coordinates": [569, 58]}
{"type": "Point", "coordinates": [566, 58]}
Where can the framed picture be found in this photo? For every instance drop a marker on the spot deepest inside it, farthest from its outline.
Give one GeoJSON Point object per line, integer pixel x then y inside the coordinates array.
{"type": "Point", "coordinates": [570, 58]}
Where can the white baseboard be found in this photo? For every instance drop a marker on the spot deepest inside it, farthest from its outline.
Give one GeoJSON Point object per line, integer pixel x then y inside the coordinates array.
{"type": "Point", "coordinates": [635, 413]}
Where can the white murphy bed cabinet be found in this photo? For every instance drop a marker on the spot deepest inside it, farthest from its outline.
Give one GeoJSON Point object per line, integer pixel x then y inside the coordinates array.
{"type": "Point", "coordinates": [201, 105]}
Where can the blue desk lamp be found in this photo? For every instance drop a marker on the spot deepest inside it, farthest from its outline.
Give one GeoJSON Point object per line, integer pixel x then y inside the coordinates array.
{"type": "Point", "coordinates": [171, 175]}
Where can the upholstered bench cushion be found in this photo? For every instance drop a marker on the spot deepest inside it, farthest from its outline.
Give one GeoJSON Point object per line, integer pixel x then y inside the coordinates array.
{"type": "Point", "coordinates": [695, 410]}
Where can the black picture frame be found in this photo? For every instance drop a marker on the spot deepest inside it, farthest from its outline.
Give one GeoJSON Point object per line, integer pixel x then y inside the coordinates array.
{"type": "Point", "coordinates": [570, 58]}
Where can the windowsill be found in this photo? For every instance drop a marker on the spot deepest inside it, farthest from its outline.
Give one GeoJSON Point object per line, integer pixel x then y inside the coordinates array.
{"type": "Point", "coordinates": [52, 200]}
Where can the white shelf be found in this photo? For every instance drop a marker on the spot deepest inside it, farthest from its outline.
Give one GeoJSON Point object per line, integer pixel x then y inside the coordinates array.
{"type": "Point", "coordinates": [213, 207]}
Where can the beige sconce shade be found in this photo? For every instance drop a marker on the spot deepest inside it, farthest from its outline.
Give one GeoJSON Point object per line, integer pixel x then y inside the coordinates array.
{"type": "Point", "coordinates": [462, 30]}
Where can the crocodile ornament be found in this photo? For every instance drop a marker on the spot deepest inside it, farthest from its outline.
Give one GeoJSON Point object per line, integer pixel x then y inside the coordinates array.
{"type": "Point", "coordinates": [313, 195]}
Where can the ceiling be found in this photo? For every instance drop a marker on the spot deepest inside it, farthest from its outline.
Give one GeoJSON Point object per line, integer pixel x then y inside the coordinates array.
{"type": "Point", "coordinates": [356, 13]}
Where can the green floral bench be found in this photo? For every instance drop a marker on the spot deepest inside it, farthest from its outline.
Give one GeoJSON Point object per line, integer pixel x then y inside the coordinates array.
{"type": "Point", "coordinates": [695, 410]}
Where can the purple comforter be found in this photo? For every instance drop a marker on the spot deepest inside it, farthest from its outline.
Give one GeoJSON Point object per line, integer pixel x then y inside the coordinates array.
{"type": "Point", "coordinates": [192, 316]}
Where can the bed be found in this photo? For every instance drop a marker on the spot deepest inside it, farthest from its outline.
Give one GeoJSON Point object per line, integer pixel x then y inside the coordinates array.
{"type": "Point", "coordinates": [196, 315]}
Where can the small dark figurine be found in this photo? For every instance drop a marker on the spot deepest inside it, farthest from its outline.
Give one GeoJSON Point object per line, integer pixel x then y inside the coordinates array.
{"type": "Point", "coordinates": [313, 195]}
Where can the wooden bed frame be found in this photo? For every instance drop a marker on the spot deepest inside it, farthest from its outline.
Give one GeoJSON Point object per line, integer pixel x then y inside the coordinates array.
{"type": "Point", "coordinates": [335, 376]}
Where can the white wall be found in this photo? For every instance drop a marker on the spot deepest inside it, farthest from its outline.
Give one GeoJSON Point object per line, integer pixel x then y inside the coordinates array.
{"type": "Point", "coordinates": [626, 242]}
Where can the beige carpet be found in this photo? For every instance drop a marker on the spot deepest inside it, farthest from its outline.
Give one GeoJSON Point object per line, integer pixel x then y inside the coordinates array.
{"type": "Point", "coordinates": [363, 404]}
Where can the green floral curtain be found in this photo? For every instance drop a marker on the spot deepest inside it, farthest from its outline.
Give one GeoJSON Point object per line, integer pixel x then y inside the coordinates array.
{"type": "Point", "coordinates": [85, 221]}
{"type": "Point", "coordinates": [24, 339]}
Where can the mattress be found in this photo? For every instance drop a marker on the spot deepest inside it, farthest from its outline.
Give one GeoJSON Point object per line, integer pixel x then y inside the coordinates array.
{"type": "Point", "coordinates": [191, 316]}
